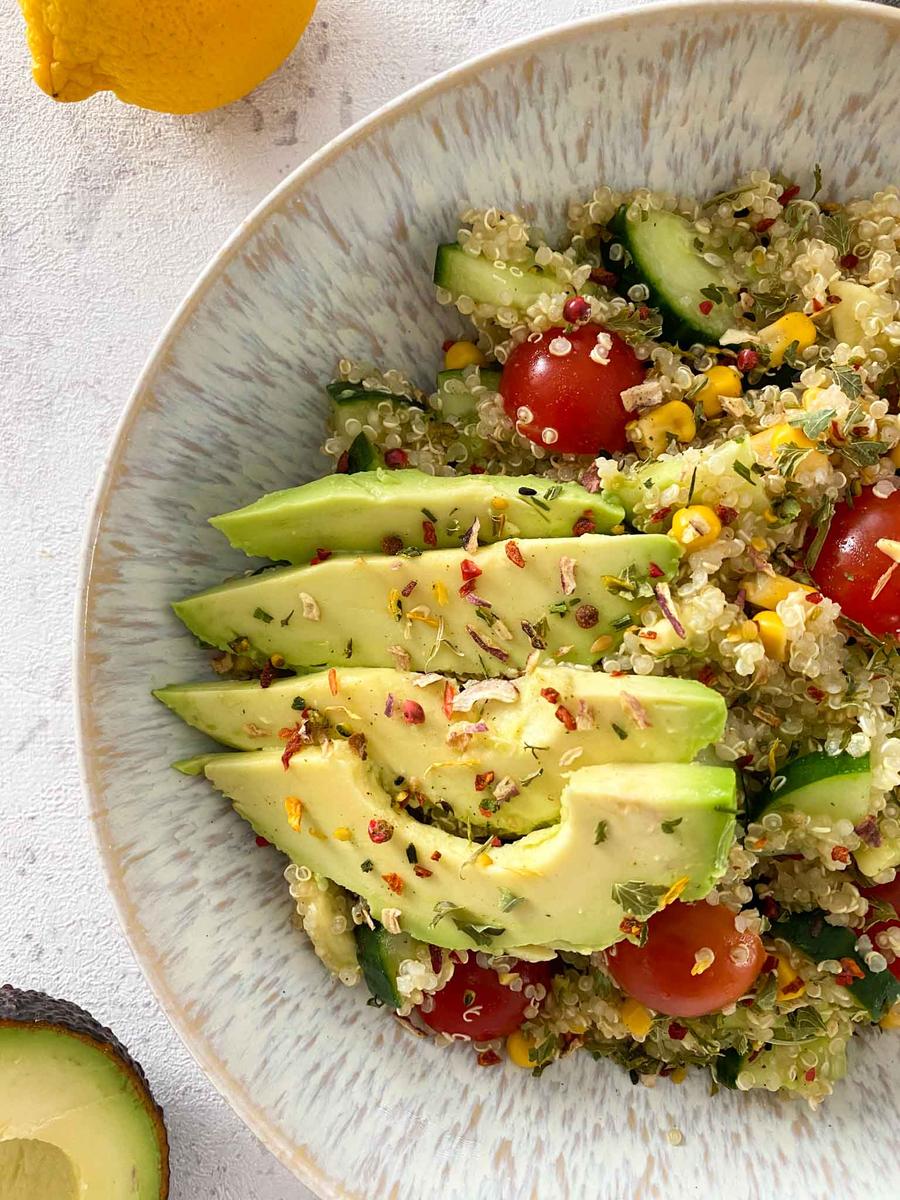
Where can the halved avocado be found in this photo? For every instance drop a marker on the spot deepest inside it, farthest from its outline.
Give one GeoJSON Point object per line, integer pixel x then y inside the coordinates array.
{"type": "Point", "coordinates": [77, 1118]}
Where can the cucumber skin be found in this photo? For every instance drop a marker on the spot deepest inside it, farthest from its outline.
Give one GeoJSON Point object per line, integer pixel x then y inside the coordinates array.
{"type": "Point", "coordinates": [677, 327]}
{"type": "Point", "coordinates": [362, 455]}
{"type": "Point", "coordinates": [379, 954]}
{"type": "Point", "coordinates": [805, 773]}
{"type": "Point", "coordinates": [810, 933]}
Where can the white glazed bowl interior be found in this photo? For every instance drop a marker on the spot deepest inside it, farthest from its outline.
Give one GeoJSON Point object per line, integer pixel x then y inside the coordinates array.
{"type": "Point", "coordinates": [338, 263]}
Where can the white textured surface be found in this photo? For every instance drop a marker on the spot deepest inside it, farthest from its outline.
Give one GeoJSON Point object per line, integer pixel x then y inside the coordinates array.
{"type": "Point", "coordinates": [106, 215]}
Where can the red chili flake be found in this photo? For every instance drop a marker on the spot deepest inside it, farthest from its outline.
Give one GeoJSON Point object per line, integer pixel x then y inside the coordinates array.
{"type": "Point", "coordinates": [677, 1032]}
{"type": "Point", "coordinates": [469, 586]}
{"type": "Point", "coordinates": [706, 675]}
{"type": "Point", "coordinates": [706, 307]}
{"type": "Point", "coordinates": [815, 693]}
{"type": "Point", "coordinates": [435, 856]}
{"type": "Point", "coordinates": [643, 312]}
{"type": "Point", "coordinates": [297, 738]}
{"type": "Point", "coordinates": [814, 597]}
{"type": "Point", "coordinates": [422, 872]}
{"type": "Point", "coordinates": [851, 971]}
{"type": "Point", "coordinates": [514, 554]}
{"type": "Point", "coordinates": [649, 635]}
{"type": "Point", "coordinates": [394, 882]}
{"type": "Point", "coordinates": [584, 524]}
{"type": "Point", "coordinates": [616, 674]}
{"type": "Point", "coordinates": [261, 841]}
{"type": "Point", "coordinates": [551, 694]}
{"type": "Point", "coordinates": [849, 261]}
{"type": "Point", "coordinates": [606, 278]}
{"type": "Point", "coordinates": [447, 702]}
{"type": "Point", "coordinates": [810, 1075]}
{"type": "Point", "coordinates": [395, 458]}
{"type": "Point", "coordinates": [333, 682]}
{"type": "Point", "coordinates": [764, 224]}
{"type": "Point", "coordinates": [266, 675]}
{"type": "Point", "coordinates": [343, 464]}
{"type": "Point", "coordinates": [660, 514]}
{"type": "Point", "coordinates": [469, 569]}
{"type": "Point", "coordinates": [437, 959]}
{"type": "Point", "coordinates": [725, 514]}
{"type": "Point", "coordinates": [495, 842]}
{"type": "Point", "coordinates": [654, 571]}
{"type": "Point", "coordinates": [413, 713]}
{"type": "Point", "coordinates": [477, 470]}
{"type": "Point", "coordinates": [410, 588]}
{"type": "Point", "coordinates": [446, 344]}
{"type": "Point", "coordinates": [563, 715]}
{"type": "Point", "coordinates": [840, 854]}
{"type": "Point", "coordinates": [817, 304]}
{"type": "Point", "coordinates": [744, 761]}
{"type": "Point", "coordinates": [769, 907]}
{"type": "Point", "coordinates": [322, 555]}
{"type": "Point", "coordinates": [392, 544]}
{"type": "Point", "coordinates": [429, 533]}
{"type": "Point", "coordinates": [747, 360]}
{"type": "Point", "coordinates": [631, 927]}
{"type": "Point", "coordinates": [576, 308]}
{"type": "Point", "coordinates": [770, 964]}
{"type": "Point", "coordinates": [488, 1058]}
{"type": "Point", "coordinates": [481, 781]}
{"type": "Point", "coordinates": [380, 831]}
{"type": "Point", "coordinates": [789, 194]}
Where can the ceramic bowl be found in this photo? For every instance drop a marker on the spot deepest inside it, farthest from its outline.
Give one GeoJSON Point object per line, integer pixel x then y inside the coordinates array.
{"type": "Point", "coordinates": [338, 263]}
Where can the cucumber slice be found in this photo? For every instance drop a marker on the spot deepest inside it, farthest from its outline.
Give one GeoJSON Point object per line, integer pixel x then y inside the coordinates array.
{"type": "Point", "coordinates": [809, 932]}
{"type": "Point", "coordinates": [664, 257]}
{"type": "Point", "coordinates": [457, 402]}
{"type": "Point", "coordinates": [512, 285]}
{"type": "Point", "coordinates": [380, 954]}
{"type": "Point", "coordinates": [872, 860]}
{"type": "Point", "coordinates": [834, 786]}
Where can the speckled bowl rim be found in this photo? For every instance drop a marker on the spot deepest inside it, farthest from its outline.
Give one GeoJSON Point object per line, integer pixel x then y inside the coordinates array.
{"type": "Point", "coordinates": [299, 1161]}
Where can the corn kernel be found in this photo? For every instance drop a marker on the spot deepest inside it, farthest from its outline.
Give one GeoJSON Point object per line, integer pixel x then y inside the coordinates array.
{"type": "Point", "coordinates": [679, 1075]}
{"type": "Point", "coordinates": [767, 591]}
{"type": "Point", "coordinates": [484, 860]}
{"type": "Point", "coordinates": [720, 381]}
{"type": "Point", "coordinates": [749, 631]}
{"type": "Point", "coordinates": [891, 1019]}
{"type": "Point", "coordinates": [636, 1018]}
{"type": "Point", "coordinates": [463, 354]}
{"type": "Point", "coordinates": [695, 527]}
{"type": "Point", "coordinates": [518, 1048]}
{"type": "Point", "coordinates": [499, 503]}
{"type": "Point", "coordinates": [772, 634]}
{"type": "Point", "coordinates": [792, 327]}
{"type": "Point", "coordinates": [895, 455]}
{"type": "Point", "coordinates": [790, 985]}
{"type": "Point", "coordinates": [343, 834]}
{"type": "Point", "coordinates": [674, 419]}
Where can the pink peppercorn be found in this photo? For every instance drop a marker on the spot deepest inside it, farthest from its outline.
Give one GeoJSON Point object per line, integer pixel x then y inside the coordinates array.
{"type": "Point", "coordinates": [380, 831]}
{"type": "Point", "coordinates": [747, 360]}
{"type": "Point", "coordinates": [395, 458]}
{"type": "Point", "coordinates": [576, 308]}
{"type": "Point", "coordinates": [706, 307]}
{"type": "Point", "coordinates": [413, 712]}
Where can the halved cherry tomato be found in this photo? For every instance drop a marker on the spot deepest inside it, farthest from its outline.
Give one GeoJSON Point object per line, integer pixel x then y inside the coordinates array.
{"type": "Point", "coordinates": [659, 972]}
{"type": "Point", "coordinates": [850, 565]}
{"type": "Point", "coordinates": [574, 402]}
{"type": "Point", "coordinates": [888, 893]}
{"type": "Point", "coordinates": [874, 930]}
{"type": "Point", "coordinates": [476, 1003]}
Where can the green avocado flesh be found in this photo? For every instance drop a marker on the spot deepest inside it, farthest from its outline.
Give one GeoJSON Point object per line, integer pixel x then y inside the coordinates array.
{"type": "Point", "coordinates": [356, 513]}
{"type": "Point", "coordinates": [76, 1117]}
{"type": "Point", "coordinates": [568, 886]}
{"type": "Point", "coordinates": [524, 741]}
{"type": "Point", "coordinates": [833, 786]}
{"type": "Point", "coordinates": [351, 611]}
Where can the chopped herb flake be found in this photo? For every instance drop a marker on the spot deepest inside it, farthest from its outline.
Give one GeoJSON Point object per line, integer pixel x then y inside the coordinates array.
{"type": "Point", "coordinates": [601, 832]}
{"type": "Point", "coordinates": [261, 615]}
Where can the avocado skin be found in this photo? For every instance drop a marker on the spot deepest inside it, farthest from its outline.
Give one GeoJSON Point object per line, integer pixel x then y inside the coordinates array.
{"type": "Point", "coordinates": [20, 1007]}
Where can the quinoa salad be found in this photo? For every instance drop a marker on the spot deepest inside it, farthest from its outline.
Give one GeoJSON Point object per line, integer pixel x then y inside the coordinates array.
{"type": "Point", "coordinates": [572, 693]}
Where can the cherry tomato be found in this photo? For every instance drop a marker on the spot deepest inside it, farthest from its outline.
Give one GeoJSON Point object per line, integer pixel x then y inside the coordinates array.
{"type": "Point", "coordinates": [476, 1003]}
{"type": "Point", "coordinates": [888, 893]}
{"type": "Point", "coordinates": [659, 972]}
{"type": "Point", "coordinates": [850, 565]}
{"type": "Point", "coordinates": [570, 394]}
{"type": "Point", "coordinates": [873, 931]}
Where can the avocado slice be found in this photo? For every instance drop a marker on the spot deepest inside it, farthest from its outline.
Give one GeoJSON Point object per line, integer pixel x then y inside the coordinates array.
{"type": "Point", "coordinates": [831, 786]}
{"type": "Point", "coordinates": [355, 610]}
{"type": "Point", "coordinates": [77, 1115]}
{"type": "Point", "coordinates": [524, 740]}
{"type": "Point", "coordinates": [357, 513]}
{"type": "Point", "coordinates": [568, 886]}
